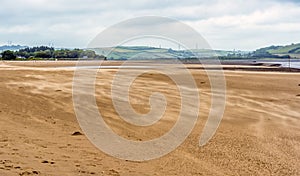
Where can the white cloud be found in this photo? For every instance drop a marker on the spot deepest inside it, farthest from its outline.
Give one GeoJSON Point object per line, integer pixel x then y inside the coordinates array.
{"type": "Point", "coordinates": [17, 29]}
{"type": "Point", "coordinates": [225, 24]}
{"type": "Point", "coordinates": [275, 24]}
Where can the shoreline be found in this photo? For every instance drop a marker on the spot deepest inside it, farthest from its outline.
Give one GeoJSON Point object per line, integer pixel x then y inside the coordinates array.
{"type": "Point", "coordinates": [227, 65]}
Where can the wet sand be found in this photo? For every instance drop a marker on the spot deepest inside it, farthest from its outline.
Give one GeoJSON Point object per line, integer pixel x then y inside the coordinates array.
{"type": "Point", "coordinates": [259, 133]}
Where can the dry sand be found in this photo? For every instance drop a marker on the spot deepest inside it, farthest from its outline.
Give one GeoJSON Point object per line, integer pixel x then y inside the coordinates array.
{"type": "Point", "coordinates": [259, 134]}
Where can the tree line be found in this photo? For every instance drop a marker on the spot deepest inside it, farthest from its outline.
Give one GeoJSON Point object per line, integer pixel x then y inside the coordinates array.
{"type": "Point", "coordinates": [45, 52]}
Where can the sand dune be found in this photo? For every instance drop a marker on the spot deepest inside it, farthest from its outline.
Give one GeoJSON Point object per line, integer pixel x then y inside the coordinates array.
{"type": "Point", "coordinates": [259, 134]}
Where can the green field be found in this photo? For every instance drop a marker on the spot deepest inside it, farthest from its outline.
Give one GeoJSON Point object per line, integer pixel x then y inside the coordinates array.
{"type": "Point", "coordinates": [144, 52]}
{"type": "Point", "coordinates": [288, 49]}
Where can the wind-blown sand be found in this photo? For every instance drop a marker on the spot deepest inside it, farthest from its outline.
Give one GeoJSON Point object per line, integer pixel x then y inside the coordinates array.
{"type": "Point", "coordinates": [259, 134]}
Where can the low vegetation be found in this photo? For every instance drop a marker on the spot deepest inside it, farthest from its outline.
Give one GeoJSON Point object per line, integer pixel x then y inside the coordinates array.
{"type": "Point", "coordinates": [45, 52]}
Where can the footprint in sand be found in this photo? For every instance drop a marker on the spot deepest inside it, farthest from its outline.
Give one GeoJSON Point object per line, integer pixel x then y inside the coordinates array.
{"type": "Point", "coordinates": [113, 172]}
{"type": "Point", "coordinates": [87, 172]}
{"type": "Point", "coordinates": [34, 172]}
{"type": "Point", "coordinates": [48, 162]}
{"type": "Point", "coordinates": [77, 133]}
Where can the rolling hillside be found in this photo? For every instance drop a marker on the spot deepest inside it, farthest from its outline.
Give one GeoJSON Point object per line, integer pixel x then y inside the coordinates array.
{"type": "Point", "coordinates": [287, 49]}
{"type": "Point", "coordinates": [145, 52]}
{"type": "Point", "coordinates": [11, 47]}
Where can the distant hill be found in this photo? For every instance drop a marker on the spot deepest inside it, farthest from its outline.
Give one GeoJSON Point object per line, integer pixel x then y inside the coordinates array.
{"type": "Point", "coordinates": [11, 47]}
{"type": "Point", "coordinates": [292, 50]}
{"type": "Point", "coordinates": [145, 52]}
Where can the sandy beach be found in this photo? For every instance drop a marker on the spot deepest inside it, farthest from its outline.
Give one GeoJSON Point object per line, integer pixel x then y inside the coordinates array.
{"type": "Point", "coordinates": [259, 133]}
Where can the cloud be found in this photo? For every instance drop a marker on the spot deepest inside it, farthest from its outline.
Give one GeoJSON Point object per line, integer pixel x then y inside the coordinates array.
{"type": "Point", "coordinates": [225, 24]}
{"type": "Point", "coordinates": [273, 24]}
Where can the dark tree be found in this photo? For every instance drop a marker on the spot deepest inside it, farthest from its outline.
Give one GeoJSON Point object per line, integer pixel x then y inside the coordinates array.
{"type": "Point", "coordinates": [8, 55]}
{"type": "Point", "coordinates": [45, 52]}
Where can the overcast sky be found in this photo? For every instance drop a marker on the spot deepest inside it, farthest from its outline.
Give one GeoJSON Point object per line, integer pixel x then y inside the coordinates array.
{"type": "Point", "coordinates": [227, 24]}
